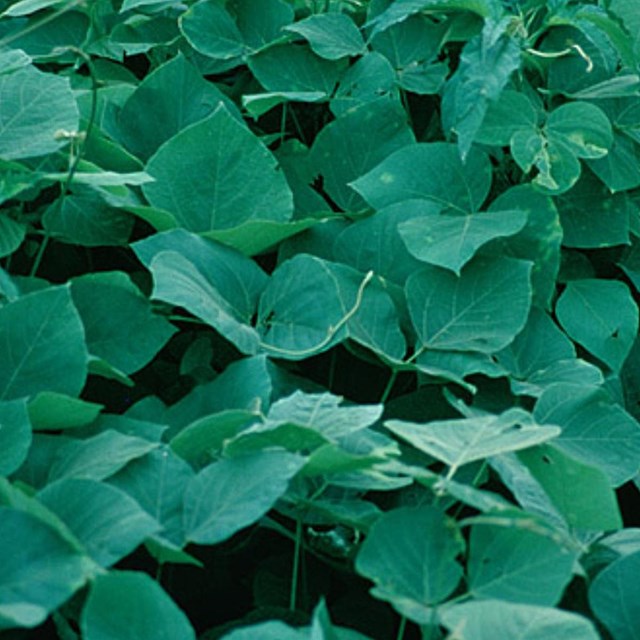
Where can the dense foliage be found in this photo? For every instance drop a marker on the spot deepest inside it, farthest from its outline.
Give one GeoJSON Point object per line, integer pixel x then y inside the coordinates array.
{"type": "Point", "coordinates": [318, 319]}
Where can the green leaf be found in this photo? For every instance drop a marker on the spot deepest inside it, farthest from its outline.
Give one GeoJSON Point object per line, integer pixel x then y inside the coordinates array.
{"type": "Point", "coordinates": [516, 565]}
{"type": "Point", "coordinates": [619, 169]}
{"type": "Point", "coordinates": [323, 413]}
{"type": "Point", "coordinates": [98, 457]}
{"type": "Point", "coordinates": [539, 345]}
{"type": "Point", "coordinates": [356, 142]}
{"type": "Point", "coordinates": [451, 312]}
{"type": "Point", "coordinates": [206, 435]}
{"type": "Point", "coordinates": [26, 7]}
{"type": "Point", "coordinates": [30, 548]}
{"type": "Point", "coordinates": [256, 236]}
{"type": "Point", "coordinates": [12, 234]}
{"type": "Point", "coordinates": [51, 411]}
{"type": "Point", "coordinates": [450, 241]}
{"type": "Point", "coordinates": [210, 30]}
{"type": "Point", "coordinates": [261, 24]}
{"type": "Point", "coordinates": [510, 114]}
{"type": "Point", "coordinates": [458, 442]}
{"type": "Point", "coordinates": [293, 67]}
{"type": "Point", "coordinates": [584, 311]}
{"type": "Point", "coordinates": [539, 241]}
{"type": "Point", "coordinates": [294, 326]}
{"type": "Point", "coordinates": [369, 78]}
{"type": "Point", "coordinates": [613, 597]}
{"type": "Point", "coordinates": [330, 35]}
{"type": "Point", "coordinates": [85, 219]}
{"type": "Point", "coordinates": [592, 217]}
{"type": "Point", "coordinates": [238, 179]}
{"type": "Point", "coordinates": [432, 171]}
{"type": "Point", "coordinates": [581, 493]}
{"type": "Point", "coordinates": [375, 244]}
{"type": "Point", "coordinates": [157, 482]}
{"type": "Point", "coordinates": [178, 96]}
{"type": "Point", "coordinates": [245, 384]}
{"type": "Point", "coordinates": [232, 494]}
{"type": "Point", "coordinates": [486, 619]}
{"type": "Point", "coordinates": [486, 64]}
{"type": "Point", "coordinates": [35, 107]}
{"type": "Point", "coordinates": [128, 339]}
{"type": "Point", "coordinates": [144, 610]}
{"type": "Point", "coordinates": [15, 436]}
{"type": "Point", "coordinates": [42, 345]}
{"type": "Point", "coordinates": [595, 430]}
{"type": "Point", "coordinates": [582, 127]}
{"type": "Point", "coordinates": [410, 556]}
{"type": "Point", "coordinates": [105, 520]}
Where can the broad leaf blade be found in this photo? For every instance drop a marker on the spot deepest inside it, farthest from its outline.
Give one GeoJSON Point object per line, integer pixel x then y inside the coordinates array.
{"type": "Point", "coordinates": [237, 178]}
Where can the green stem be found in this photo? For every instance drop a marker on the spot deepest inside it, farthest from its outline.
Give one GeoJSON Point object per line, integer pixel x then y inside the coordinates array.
{"type": "Point", "coordinates": [75, 161]}
{"type": "Point", "coordinates": [293, 595]}
{"type": "Point", "coordinates": [401, 627]}
{"type": "Point", "coordinates": [389, 387]}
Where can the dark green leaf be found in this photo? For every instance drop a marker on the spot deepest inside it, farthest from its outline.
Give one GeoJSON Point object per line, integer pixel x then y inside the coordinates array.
{"type": "Point", "coordinates": [232, 494]}
{"type": "Point", "coordinates": [105, 520]}
{"type": "Point", "coordinates": [42, 345]}
{"type": "Point", "coordinates": [30, 548]}
{"type": "Point", "coordinates": [584, 312]}
{"type": "Point", "coordinates": [432, 171]}
{"type": "Point", "coordinates": [144, 610]}
{"type": "Point", "coordinates": [410, 556]}
{"type": "Point", "coordinates": [481, 310]}
{"type": "Point", "coordinates": [330, 35]}
{"type": "Point", "coordinates": [15, 435]}
{"type": "Point", "coordinates": [216, 174]}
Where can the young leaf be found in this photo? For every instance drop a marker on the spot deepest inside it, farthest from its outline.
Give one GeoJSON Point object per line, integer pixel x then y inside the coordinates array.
{"type": "Point", "coordinates": [236, 176]}
{"type": "Point", "coordinates": [410, 555]}
{"type": "Point", "coordinates": [144, 610]}
{"type": "Point", "coordinates": [481, 310]}
{"type": "Point", "coordinates": [584, 312]}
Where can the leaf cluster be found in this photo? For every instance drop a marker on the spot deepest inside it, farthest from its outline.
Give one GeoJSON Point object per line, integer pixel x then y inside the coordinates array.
{"type": "Point", "coordinates": [330, 304]}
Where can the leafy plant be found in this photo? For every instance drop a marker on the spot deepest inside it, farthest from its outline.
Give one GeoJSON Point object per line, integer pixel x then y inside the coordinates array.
{"type": "Point", "coordinates": [318, 319]}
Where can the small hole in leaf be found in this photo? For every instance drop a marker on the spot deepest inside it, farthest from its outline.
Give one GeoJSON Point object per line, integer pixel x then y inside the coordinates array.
{"type": "Point", "coordinates": [616, 334]}
{"type": "Point", "coordinates": [546, 459]}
